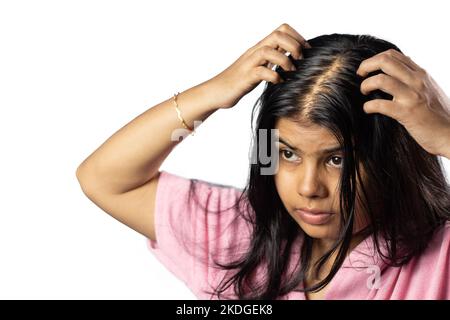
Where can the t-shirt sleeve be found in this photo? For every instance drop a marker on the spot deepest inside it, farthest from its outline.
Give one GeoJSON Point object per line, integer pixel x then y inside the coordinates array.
{"type": "Point", "coordinates": [193, 231]}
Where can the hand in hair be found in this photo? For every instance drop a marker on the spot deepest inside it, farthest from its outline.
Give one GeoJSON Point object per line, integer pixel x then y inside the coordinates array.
{"type": "Point", "coordinates": [419, 104]}
{"type": "Point", "coordinates": [255, 65]}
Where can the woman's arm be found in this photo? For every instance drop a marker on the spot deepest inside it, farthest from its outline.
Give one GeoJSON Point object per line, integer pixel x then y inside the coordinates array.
{"type": "Point", "coordinates": [121, 176]}
{"type": "Point", "coordinates": [133, 155]}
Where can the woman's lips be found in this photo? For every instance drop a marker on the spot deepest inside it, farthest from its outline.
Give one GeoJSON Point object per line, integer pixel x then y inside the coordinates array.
{"type": "Point", "coordinates": [314, 217]}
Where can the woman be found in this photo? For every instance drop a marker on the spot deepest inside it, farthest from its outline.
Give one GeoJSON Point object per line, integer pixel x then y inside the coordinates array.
{"type": "Point", "coordinates": [354, 203]}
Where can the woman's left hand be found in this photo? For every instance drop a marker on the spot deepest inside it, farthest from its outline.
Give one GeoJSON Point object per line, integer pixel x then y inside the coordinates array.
{"type": "Point", "coordinates": [419, 104]}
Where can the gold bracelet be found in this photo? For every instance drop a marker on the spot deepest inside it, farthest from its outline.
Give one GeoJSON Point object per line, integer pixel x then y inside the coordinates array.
{"type": "Point", "coordinates": [179, 113]}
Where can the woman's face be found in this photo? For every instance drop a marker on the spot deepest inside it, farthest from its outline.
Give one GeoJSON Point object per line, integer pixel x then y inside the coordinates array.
{"type": "Point", "coordinates": [310, 164]}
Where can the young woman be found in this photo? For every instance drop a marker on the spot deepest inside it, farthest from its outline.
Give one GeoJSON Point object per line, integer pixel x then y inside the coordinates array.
{"type": "Point", "coordinates": [352, 204]}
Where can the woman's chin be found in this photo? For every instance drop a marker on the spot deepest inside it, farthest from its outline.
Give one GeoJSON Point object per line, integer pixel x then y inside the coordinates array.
{"type": "Point", "coordinates": [322, 231]}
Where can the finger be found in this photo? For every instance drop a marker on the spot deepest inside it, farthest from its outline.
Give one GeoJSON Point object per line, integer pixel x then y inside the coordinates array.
{"type": "Point", "coordinates": [284, 41]}
{"type": "Point", "coordinates": [294, 34]}
{"type": "Point", "coordinates": [279, 49]}
{"type": "Point", "coordinates": [268, 75]}
{"type": "Point", "coordinates": [271, 65]}
{"type": "Point", "coordinates": [275, 44]}
{"type": "Point", "coordinates": [284, 37]}
{"type": "Point", "coordinates": [385, 83]}
{"type": "Point", "coordinates": [406, 60]}
{"type": "Point", "coordinates": [389, 64]}
{"type": "Point", "coordinates": [271, 57]}
{"type": "Point", "coordinates": [382, 106]}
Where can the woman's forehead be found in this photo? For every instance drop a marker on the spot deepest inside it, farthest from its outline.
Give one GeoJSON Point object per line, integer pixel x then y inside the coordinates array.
{"type": "Point", "coordinates": [304, 132]}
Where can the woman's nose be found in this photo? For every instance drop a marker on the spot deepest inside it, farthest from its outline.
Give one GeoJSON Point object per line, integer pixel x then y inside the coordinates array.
{"type": "Point", "coordinates": [309, 183]}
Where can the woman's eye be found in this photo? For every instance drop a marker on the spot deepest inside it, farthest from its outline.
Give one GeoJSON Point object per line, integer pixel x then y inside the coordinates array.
{"type": "Point", "coordinates": [336, 161]}
{"type": "Point", "coordinates": [288, 155]}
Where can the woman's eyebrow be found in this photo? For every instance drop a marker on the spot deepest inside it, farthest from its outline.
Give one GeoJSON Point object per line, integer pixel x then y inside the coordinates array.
{"type": "Point", "coordinates": [323, 151]}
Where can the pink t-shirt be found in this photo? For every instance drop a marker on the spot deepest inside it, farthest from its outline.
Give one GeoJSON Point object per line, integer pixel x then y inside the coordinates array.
{"type": "Point", "coordinates": [363, 275]}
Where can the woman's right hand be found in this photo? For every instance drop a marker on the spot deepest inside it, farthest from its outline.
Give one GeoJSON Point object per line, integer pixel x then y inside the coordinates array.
{"type": "Point", "coordinates": [256, 65]}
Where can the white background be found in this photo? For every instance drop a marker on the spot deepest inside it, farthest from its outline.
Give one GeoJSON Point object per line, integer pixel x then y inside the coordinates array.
{"type": "Point", "coordinates": [74, 72]}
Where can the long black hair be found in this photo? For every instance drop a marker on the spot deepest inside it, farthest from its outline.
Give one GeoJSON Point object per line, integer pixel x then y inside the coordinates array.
{"type": "Point", "coordinates": [405, 194]}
